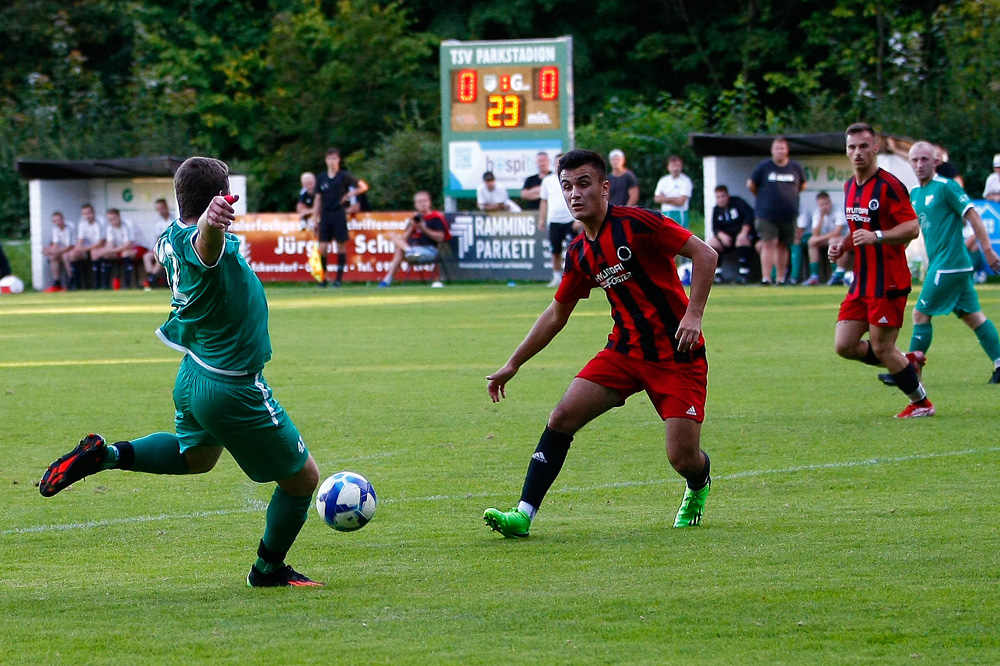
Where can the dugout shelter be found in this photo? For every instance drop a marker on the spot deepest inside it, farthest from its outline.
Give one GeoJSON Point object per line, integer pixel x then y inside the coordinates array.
{"type": "Point", "coordinates": [131, 185]}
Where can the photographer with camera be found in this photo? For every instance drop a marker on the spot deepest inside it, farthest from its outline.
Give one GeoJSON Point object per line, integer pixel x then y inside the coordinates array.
{"type": "Point", "coordinates": [418, 242]}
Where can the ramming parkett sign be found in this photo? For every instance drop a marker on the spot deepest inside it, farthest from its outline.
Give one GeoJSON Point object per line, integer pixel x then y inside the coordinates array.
{"type": "Point", "coordinates": [499, 246]}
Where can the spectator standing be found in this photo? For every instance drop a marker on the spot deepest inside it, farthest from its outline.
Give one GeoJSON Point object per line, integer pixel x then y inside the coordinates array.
{"type": "Point", "coordinates": [531, 191]}
{"type": "Point", "coordinates": [307, 199]}
{"type": "Point", "coordinates": [154, 270]}
{"type": "Point", "coordinates": [89, 237]}
{"type": "Point", "coordinates": [992, 190]}
{"type": "Point", "coordinates": [673, 192]}
{"type": "Point", "coordinates": [623, 183]}
{"type": "Point", "coordinates": [420, 238]}
{"type": "Point", "coordinates": [945, 168]}
{"type": "Point", "coordinates": [882, 221]}
{"type": "Point", "coordinates": [58, 253]}
{"type": "Point", "coordinates": [776, 182]}
{"type": "Point", "coordinates": [732, 230]}
{"type": "Point", "coordinates": [334, 189]}
{"type": "Point", "coordinates": [554, 213]}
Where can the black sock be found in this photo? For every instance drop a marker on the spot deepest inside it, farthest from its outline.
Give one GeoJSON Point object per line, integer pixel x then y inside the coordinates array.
{"type": "Point", "coordinates": [870, 358]}
{"type": "Point", "coordinates": [548, 459]}
{"type": "Point", "coordinates": [701, 479]}
{"type": "Point", "coordinates": [341, 262]}
{"type": "Point", "coordinates": [126, 455]}
{"type": "Point", "coordinates": [907, 380]}
{"type": "Point", "coordinates": [744, 254]}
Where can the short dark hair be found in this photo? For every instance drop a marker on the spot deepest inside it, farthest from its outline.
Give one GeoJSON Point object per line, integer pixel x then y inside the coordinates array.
{"type": "Point", "coordinates": [859, 128]}
{"type": "Point", "coordinates": [59, 214]}
{"type": "Point", "coordinates": [87, 205]}
{"type": "Point", "coordinates": [822, 195]}
{"type": "Point", "coordinates": [196, 182]}
{"type": "Point", "coordinates": [675, 158]}
{"type": "Point", "coordinates": [161, 200]}
{"type": "Point", "coordinates": [488, 176]}
{"type": "Point", "coordinates": [579, 157]}
{"type": "Point", "coordinates": [722, 188]}
{"type": "Point", "coordinates": [117, 212]}
{"type": "Point", "coordinates": [333, 151]}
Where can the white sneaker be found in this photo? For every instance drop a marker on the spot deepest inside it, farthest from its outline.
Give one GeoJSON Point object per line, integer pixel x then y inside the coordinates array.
{"type": "Point", "coordinates": [554, 282]}
{"type": "Point", "coordinates": [437, 284]}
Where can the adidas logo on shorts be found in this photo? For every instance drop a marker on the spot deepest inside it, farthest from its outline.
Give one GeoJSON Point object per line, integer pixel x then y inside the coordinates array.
{"type": "Point", "coordinates": [883, 320]}
{"type": "Point", "coordinates": [691, 411]}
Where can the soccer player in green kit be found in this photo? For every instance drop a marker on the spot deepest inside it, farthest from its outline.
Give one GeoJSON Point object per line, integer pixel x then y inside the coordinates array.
{"type": "Point", "coordinates": [219, 322]}
{"type": "Point", "coordinates": [943, 207]}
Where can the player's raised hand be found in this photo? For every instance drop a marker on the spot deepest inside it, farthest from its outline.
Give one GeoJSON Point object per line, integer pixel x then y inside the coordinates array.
{"type": "Point", "coordinates": [498, 382]}
{"type": "Point", "coordinates": [220, 213]}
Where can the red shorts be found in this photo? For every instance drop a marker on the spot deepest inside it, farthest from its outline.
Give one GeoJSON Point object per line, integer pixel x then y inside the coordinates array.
{"type": "Point", "coordinates": [677, 390]}
{"type": "Point", "coordinates": [876, 311]}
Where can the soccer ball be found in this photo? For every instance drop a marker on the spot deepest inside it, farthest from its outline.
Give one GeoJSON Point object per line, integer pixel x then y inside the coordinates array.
{"type": "Point", "coordinates": [346, 501]}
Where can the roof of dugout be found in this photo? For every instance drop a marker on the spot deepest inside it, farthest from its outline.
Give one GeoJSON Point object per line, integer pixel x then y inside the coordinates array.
{"type": "Point", "coordinates": [745, 145]}
{"type": "Point", "coordinates": [130, 167]}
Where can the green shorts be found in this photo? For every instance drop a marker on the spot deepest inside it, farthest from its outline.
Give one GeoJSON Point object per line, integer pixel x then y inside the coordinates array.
{"type": "Point", "coordinates": [679, 216]}
{"type": "Point", "coordinates": [240, 414]}
{"type": "Point", "coordinates": [943, 293]}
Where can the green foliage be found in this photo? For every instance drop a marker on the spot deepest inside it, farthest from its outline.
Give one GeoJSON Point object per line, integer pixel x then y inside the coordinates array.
{"type": "Point", "coordinates": [403, 163]}
{"type": "Point", "coordinates": [648, 134]}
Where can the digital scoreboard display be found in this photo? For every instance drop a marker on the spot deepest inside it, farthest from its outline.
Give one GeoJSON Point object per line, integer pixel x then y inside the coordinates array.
{"type": "Point", "coordinates": [504, 98]}
{"type": "Point", "coordinates": [503, 103]}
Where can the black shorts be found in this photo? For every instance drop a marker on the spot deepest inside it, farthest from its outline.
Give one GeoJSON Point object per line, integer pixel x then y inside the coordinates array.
{"type": "Point", "coordinates": [333, 227]}
{"type": "Point", "coordinates": [558, 232]}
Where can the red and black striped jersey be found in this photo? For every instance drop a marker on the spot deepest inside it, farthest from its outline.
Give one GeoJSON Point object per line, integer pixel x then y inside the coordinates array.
{"type": "Point", "coordinates": [632, 259]}
{"type": "Point", "coordinates": [878, 204]}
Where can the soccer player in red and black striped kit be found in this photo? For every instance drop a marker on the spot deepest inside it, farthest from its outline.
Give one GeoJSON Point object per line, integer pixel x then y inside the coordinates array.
{"type": "Point", "coordinates": [655, 346]}
{"type": "Point", "coordinates": [882, 222]}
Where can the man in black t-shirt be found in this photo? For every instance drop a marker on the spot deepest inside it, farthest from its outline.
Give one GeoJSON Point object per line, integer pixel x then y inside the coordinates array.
{"type": "Point", "coordinates": [623, 183]}
{"type": "Point", "coordinates": [776, 183]}
{"type": "Point", "coordinates": [307, 197]}
{"type": "Point", "coordinates": [733, 229]}
{"type": "Point", "coordinates": [334, 189]}
{"type": "Point", "coordinates": [532, 189]}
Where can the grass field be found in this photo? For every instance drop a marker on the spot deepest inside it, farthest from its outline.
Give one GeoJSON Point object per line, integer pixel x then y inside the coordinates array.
{"type": "Point", "coordinates": [834, 534]}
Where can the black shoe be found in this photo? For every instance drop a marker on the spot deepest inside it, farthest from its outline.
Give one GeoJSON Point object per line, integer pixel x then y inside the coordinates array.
{"type": "Point", "coordinates": [718, 278]}
{"type": "Point", "coordinates": [84, 460]}
{"type": "Point", "coordinates": [336, 284]}
{"type": "Point", "coordinates": [284, 577]}
{"type": "Point", "coordinates": [995, 379]}
{"type": "Point", "coordinates": [886, 378]}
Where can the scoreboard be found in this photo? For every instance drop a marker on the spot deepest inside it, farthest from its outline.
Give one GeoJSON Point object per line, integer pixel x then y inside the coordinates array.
{"type": "Point", "coordinates": [503, 102]}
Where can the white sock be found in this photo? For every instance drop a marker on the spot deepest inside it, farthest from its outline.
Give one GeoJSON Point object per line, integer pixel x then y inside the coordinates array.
{"type": "Point", "coordinates": [527, 508]}
{"type": "Point", "coordinates": [557, 275]}
{"type": "Point", "coordinates": [387, 279]}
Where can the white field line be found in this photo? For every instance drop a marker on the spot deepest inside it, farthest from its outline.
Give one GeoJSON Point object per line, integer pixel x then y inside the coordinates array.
{"type": "Point", "coordinates": [259, 506]}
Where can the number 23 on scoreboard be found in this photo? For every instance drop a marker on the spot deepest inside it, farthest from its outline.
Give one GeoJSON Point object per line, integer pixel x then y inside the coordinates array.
{"type": "Point", "coordinates": [503, 111]}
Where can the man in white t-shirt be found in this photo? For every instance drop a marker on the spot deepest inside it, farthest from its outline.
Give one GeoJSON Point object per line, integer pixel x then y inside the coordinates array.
{"type": "Point", "coordinates": [57, 252]}
{"type": "Point", "coordinates": [118, 249]}
{"type": "Point", "coordinates": [489, 197]}
{"type": "Point", "coordinates": [828, 225]}
{"type": "Point", "coordinates": [554, 213]}
{"type": "Point", "coordinates": [673, 192]}
{"type": "Point", "coordinates": [89, 236]}
{"type": "Point", "coordinates": [992, 190]}
{"type": "Point", "coordinates": [163, 219]}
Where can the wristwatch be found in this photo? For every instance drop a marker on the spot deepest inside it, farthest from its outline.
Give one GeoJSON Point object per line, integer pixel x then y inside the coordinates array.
{"type": "Point", "coordinates": [878, 236]}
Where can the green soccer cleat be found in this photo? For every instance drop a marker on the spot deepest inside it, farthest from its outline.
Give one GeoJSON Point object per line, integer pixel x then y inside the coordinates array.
{"type": "Point", "coordinates": [512, 524]}
{"type": "Point", "coordinates": [692, 507]}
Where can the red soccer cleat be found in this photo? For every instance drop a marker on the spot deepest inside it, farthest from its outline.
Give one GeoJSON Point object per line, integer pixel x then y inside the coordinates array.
{"type": "Point", "coordinates": [84, 460]}
{"type": "Point", "coordinates": [916, 410]}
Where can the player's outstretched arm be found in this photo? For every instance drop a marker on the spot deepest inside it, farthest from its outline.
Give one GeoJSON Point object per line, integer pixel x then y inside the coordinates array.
{"type": "Point", "coordinates": [212, 227]}
{"type": "Point", "coordinates": [546, 327]}
{"type": "Point", "coordinates": [979, 229]}
{"type": "Point", "coordinates": [704, 260]}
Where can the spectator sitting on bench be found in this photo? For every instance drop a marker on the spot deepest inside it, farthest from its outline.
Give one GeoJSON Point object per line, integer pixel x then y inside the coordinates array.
{"type": "Point", "coordinates": [118, 249]}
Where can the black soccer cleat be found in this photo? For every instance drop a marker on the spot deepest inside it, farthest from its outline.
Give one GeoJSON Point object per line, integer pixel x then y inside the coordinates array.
{"type": "Point", "coordinates": [286, 576]}
{"type": "Point", "coordinates": [995, 379]}
{"type": "Point", "coordinates": [84, 460]}
{"type": "Point", "coordinates": [887, 378]}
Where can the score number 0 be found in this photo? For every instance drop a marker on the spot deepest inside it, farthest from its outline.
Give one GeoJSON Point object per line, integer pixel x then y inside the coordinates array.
{"type": "Point", "coordinates": [503, 111]}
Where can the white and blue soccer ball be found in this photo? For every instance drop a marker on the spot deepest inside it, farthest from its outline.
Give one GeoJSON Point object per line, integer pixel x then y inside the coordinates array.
{"type": "Point", "coordinates": [346, 501]}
